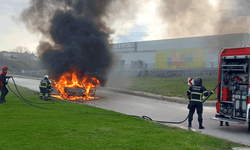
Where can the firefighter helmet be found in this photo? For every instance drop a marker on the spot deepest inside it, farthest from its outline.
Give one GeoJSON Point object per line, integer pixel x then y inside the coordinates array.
{"type": "Point", "coordinates": [198, 81]}
{"type": "Point", "coordinates": [5, 68]}
{"type": "Point", "coordinates": [46, 77]}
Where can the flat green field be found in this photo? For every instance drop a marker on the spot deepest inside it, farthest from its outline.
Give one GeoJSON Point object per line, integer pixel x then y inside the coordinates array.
{"type": "Point", "coordinates": [174, 86]}
{"type": "Point", "coordinates": [26, 127]}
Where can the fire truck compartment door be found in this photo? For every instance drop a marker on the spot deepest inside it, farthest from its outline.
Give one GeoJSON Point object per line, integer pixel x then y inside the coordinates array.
{"type": "Point", "coordinates": [236, 66]}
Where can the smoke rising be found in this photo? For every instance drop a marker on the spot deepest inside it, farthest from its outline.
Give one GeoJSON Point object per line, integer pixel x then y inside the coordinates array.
{"type": "Point", "coordinates": [235, 19]}
{"type": "Point", "coordinates": [76, 34]}
{"type": "Point", "coordinates": [191, 18]}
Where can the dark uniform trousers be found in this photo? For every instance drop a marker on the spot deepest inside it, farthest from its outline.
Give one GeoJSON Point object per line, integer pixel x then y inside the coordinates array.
{"type": "Point", "coordinates": [4, 92]}
{"type": "Point", "coordinates": [44, 93]}
{"type": "Point", "coordinates": [199, 107]}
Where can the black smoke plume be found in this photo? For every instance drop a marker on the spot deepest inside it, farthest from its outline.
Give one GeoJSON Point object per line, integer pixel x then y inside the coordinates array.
{"type": "Point", "coordinates": [76, 36]}
{"type": "Point", "coordinates": [79, 45]}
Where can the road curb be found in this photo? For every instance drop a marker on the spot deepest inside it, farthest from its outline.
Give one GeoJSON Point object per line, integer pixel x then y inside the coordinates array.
{"type": "Point", "coordinates": [159, 97]}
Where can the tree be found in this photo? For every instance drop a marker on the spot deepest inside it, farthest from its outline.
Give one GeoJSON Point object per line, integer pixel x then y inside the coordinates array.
{"type": "Point", "coordinates": [22, 49]}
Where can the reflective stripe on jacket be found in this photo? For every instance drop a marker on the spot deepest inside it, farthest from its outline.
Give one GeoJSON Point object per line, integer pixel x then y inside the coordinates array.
{"type": "Point", "coordinates": [195, 93]}
{"type": "Point", "coordinates": [44, 83]}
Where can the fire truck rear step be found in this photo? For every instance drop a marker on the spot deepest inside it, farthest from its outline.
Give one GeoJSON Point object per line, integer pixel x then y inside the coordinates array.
{"type": "Point", "coordinates": [237, 121]}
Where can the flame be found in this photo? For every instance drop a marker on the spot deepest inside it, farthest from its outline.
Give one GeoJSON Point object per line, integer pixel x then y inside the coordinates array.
{"type": "Point", "coordinates": [70, 80]}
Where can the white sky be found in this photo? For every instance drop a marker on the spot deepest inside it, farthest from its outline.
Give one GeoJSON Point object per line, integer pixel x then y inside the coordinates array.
{"type": "Point", "coordinates": [147, 26]}
{"type": "Point", "coordinates": [14, 33]}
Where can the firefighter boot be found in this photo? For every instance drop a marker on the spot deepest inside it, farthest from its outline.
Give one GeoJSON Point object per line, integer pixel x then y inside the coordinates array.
{"type": "Point", "coordinates": [41, 97]}
{"type": "Point", "coordinates": [46, 96]}
{"type": "Point", "coordinates": [189, 124]}
{"type": "Point", "coordinates": [227, 124]}
{"type": "Point", "coordinates": [201, 127]}
{"type": "Point", "coordinates": [221, 123]}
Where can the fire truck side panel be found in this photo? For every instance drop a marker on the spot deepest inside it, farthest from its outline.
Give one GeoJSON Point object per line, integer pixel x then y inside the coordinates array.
{"type": "Point", "coordinates": [233, 93]}
{"type": "Point", "coordinates": [218, 90]}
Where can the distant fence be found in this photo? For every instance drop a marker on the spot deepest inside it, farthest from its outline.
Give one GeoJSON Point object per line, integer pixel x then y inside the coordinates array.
{"type": "Point", "coordinates": [164, 72]}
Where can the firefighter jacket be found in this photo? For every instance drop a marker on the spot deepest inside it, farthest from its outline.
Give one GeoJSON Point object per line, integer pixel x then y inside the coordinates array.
{"type": "Point", "coordinates": [45, 84]}
{"type": "Point", "coordinates": [3, 79]}
{"type": "Point", "coordinates": [196, 93]}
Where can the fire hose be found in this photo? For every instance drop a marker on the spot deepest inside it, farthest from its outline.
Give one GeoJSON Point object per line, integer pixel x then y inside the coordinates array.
{"type": "Point", "coordinates": [30, 102]}
{"type": "Point", "coordinates": [143, 117]}
{"type": "Point", "coordinates": [172, 122]}
{"type": "Point", "coordinates": [22, 96]}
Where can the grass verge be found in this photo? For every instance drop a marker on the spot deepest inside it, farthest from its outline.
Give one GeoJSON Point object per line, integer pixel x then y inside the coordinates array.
{"type": "Point", "coordinates": [174, 86]}
{"type": "Point", "coordinates": [26, 127]}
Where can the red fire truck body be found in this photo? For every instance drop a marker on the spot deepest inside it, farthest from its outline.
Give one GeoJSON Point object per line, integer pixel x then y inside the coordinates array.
{"type": "Point", "coordinates": [233, 92]}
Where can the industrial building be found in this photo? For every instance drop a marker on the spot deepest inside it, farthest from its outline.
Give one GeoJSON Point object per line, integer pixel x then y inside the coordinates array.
{"type": "Point", "coordinates": [193, 52]}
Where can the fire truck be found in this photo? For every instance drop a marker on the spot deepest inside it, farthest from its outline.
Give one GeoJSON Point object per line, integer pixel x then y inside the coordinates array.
{"type": "Point", "coordinates": [233, 92]}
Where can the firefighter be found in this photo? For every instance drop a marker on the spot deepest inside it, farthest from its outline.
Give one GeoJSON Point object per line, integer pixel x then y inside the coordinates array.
{"type": "Point", "coordinates": [195, 95]}
{"type": "Point", "coordinates": [4, 90]}
{"type": "Point", "coordinates": [45, 88]}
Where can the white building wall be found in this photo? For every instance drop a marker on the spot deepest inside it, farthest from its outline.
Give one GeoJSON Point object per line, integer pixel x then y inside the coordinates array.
{"type": "Point", "coordinates": [146, 50]}
{"type": "Point", "coordinates": [229, 40]}
{"type": "Point", "coordinates": [147, 57]}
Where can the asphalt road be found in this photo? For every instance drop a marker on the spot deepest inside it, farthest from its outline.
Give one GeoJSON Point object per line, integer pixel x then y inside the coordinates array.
{"type": "Point", "coordinates": [158, 110]}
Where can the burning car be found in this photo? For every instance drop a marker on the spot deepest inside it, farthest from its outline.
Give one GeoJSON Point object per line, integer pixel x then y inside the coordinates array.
{"type": "Point", "coordinates": [70, 87]}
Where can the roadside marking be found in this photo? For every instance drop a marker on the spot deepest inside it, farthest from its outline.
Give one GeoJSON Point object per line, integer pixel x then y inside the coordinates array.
{"type": "Point", "coordinates": [190, 81]}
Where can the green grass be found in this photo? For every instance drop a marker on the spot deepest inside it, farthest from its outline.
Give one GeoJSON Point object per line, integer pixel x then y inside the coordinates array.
{"type": "Point", "coordinates": [27, 127]}
{"type": "Point", "coordinates": [174, 86]}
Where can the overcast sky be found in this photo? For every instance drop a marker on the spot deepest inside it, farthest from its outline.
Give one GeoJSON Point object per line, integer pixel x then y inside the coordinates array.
{"type": "Point", "coordinates": [147, 25]}
{"type": "Point", "coordinates": [13, 33]}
